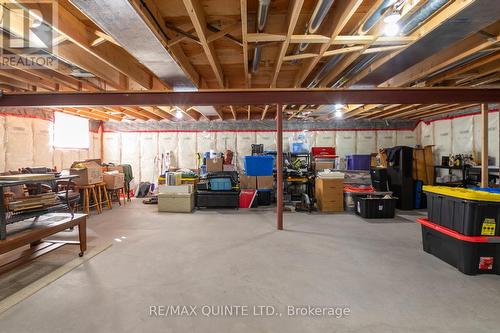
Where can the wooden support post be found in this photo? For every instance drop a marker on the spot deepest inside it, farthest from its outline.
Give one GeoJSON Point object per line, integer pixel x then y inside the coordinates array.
{"type": "Point", "coordinates": [279, 167]}
{"type": "Point", "coordinates": [484, 145]}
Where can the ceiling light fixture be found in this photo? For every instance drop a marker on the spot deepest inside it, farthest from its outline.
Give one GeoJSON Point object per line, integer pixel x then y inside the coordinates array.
{"type": "Point", "coordinates": [338, 114]}
{"type": "Point", "coordinates": [393, 16]}
{"type": "Point", "coordinates": [391, 29]}
{"type": "Point", "coordinates": [178, 114]}
{"type": "Point", "coordinates": [339, 106]}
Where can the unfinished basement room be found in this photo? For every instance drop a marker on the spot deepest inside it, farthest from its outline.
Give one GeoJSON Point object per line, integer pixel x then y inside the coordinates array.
{"type": "Point", "coordinates": [249, 166]}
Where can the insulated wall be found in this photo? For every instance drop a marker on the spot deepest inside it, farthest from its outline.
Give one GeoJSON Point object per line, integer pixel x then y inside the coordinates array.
{"type": "Point", "coordinates": [28, 141]}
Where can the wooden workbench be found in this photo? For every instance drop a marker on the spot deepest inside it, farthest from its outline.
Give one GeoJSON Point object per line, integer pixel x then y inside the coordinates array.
{"type": "Point", "coordinates": [34, 232]}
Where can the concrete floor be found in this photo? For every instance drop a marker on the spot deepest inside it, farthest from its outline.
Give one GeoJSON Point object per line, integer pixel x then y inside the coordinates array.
{"type": "Point", "coordinates": [377, 270]}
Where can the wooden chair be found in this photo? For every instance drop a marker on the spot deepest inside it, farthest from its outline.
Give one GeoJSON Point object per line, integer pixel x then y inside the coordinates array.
{"type": "Point", "coordinates": [114, 195]}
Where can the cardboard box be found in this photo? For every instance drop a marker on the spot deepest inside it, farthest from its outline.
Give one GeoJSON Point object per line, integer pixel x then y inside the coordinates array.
{"type": "Point", "coordinates": [214, 164]}
{"type": "Point", "coordinates": [176, 202]}
{"type": "Point", "coordinates": [248, 182]}
{"type": "Point", "coordinates": [89, 173]}
{"type": "Point", "coordinates": [118, 168]}
{"type": "Point", "coordinates": [322, 165]}
{"type": "Point", "coordinates": [114, 181]}
{"type": "Point", "coordinates": [329, 194]}
{"type": "Point", "coordinates": [265, 182]}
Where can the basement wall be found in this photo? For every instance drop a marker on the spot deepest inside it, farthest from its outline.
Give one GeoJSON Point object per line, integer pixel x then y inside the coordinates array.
{"type": "Point", "coordinates": [138, 143]}
{"type": "Point", "coordinates": [26, 140]}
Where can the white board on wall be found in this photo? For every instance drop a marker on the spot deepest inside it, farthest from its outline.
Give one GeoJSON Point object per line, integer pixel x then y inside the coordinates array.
{"type": "Point", "coordinates": [325, 139]}
{"type": "Point", "coordinates": [149, 152]}
{"type": "Point", "coordinates": [112, 147]}
{"type": "Point", "coordinates": [366, 142]}
{"type": "Point", "coordinates": [167, 143]}
{"type": "Point", "coordinates": [406, 138]}
{"type": "Point", "coordinates": [187, 150]}
{"type": "Point", "coordinates": [19, 143]}
{"type": "Point", "coordinates": [346, 142]}
{"type": "Point", "coordinates": [2, 144]}
{"type": "Point", "coordinates": [386, 139]}
{"type": "Point", "coordinates": [462, 135]}
{"type": "Point", "coordinates": [492, 135]}
{"type": "Point", "coordinates": [131, 152]}
{"type": "Point", "coordinates": [268, 139]}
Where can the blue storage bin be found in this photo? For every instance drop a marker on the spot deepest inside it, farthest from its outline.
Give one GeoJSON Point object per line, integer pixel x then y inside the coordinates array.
{"type": "Point", "coordinates": [220, 184]}
{"type": "Point", "coordinates": [259, 165]}
{"type": "Point", "coordinates": [358, 162]}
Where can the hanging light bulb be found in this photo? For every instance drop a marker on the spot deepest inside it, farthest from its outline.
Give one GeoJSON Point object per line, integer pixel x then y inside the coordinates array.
{"type": "Point", "coordinates": [338, 106]}
{"type": "Point", "coordinates": [393, 16]}
{"type": "Point", "coordinates": [338, 114]}
{"type": "Point", "coordinates": [391, 29]}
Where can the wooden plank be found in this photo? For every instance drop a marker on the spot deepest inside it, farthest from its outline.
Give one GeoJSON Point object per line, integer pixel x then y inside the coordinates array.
{"type": "Point", "coordinates": [244, 40]}
{"type": "Point", "coordinates": [197, 15]}
{"type": "Point", "coordinates": [292, 17]}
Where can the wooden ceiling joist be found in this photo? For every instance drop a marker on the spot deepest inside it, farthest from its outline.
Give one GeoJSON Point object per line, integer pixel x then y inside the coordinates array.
{"type": "Point", "coordinates": [291, 22]}
{"type": "Point", "coordinates": [197, 15]}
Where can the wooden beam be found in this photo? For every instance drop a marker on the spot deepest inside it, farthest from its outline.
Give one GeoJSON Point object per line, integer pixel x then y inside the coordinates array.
{"type": "Point", "coordinates": [223, 32]}
{"type": "Point", "coordinates": [264, 113]}
{"type": "Point", "coordinates": [261, 37]}
{"type": "Point", "coordinates": [195, 11]}
{"type": "Point", "coordinates": [28, 78]}
{"type": "Point", "coordinates": [343, 11]}
{"type": "Point", "coordinates": [311, 39]}
{"type": "Point", "coordinates": [292, 17]}
{"type": "Point", "coordinates": [454, 72]}
{"type": "Point", "coordinates": [244, 40]}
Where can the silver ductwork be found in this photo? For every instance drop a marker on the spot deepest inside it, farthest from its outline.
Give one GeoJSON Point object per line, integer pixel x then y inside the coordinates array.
{"type": "Point", "coordinates": [121, 21]}
{"type": "Point", "coordinates": [317, 17]}
{"type": "Point", "coordinates": [414, 20]}
{"type": "Point", "coordinates": [376, 16]}
{"type": "Point", "coordinates": [261, 23]}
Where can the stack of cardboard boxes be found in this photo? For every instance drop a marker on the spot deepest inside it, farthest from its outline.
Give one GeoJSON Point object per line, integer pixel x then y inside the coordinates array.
{"type": "Point", "coordinates": [256, 182]}
{"type": "Point", "coordinates": [329, 193]}
{"type": "Point", "coordinates": [89, 172]}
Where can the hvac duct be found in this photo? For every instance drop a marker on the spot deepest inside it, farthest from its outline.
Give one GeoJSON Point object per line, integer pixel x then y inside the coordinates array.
{"type": "Point", "coordinates": [317, 17]}
{"type": "Point", "coordinates": [261, 23]}
{"type": "Point", "coordinates": [376, 16]}
{"type": "Point", "coordinates": [428, 9]}
{"type": "Point", "coordinates": [121, 21]}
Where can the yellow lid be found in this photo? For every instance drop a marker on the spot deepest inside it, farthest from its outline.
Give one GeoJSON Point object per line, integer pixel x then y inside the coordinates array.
{"type": "Point", "coordinates": [463, 193]}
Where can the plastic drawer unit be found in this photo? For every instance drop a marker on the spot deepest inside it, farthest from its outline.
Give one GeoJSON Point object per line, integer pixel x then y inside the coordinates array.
{"type": "Point", "coordinates": [468, 212]}
{"type": "Point", "coordinates": [471, 255]}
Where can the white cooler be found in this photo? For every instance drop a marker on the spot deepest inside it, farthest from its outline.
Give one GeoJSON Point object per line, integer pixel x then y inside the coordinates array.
{"type": "Point", "coordinates": [176, 202]}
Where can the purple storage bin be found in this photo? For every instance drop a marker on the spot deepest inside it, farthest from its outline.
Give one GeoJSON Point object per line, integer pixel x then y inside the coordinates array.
{"type": "Point", "coordinates": [358, 162]}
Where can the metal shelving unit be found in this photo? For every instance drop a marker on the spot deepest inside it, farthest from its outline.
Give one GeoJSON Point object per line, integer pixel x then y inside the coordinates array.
{"type": "Point", "coordinates": [8, 217]}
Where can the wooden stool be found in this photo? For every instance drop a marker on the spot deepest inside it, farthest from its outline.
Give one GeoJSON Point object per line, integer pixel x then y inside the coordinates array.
{"type": "Point", "coordinates": [115, 194]}
{"type": "Point", "coordinates": [101, 189]}
{"type": "Point", "coordinates": [88, 190]}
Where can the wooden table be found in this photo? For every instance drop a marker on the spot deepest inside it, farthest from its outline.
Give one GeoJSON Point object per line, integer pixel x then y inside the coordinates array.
{"type": "Point", "coordinates": [33, 233]}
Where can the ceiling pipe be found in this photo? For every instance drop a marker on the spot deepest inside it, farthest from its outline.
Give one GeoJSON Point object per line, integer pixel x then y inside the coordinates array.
{"type": "Point", "coordinates": [414, 20]}
{"type": "Point", "coordinates": [317, 17]}
{"type": "Point", "coordinates": [376, 16]}
{"type": "Point", "coordinates": [261, 23]}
